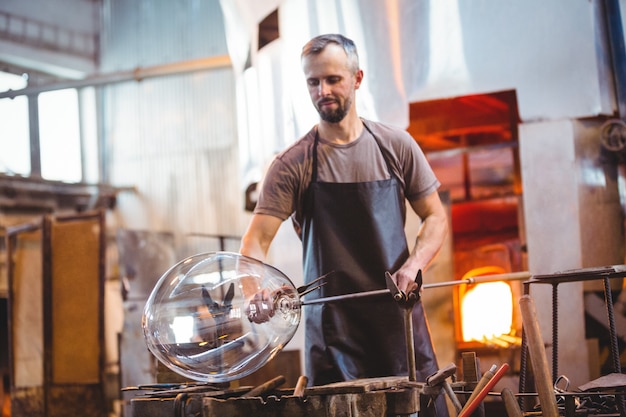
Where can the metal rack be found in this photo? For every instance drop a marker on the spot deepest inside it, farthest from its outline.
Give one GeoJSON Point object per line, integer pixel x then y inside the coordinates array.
{"type": "Point", "coordinates": [587, 274]}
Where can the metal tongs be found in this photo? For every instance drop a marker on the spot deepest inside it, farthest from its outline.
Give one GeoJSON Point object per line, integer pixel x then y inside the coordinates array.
{"type": "Point", "coordinates": [403, 299]}
{"type": "Point", "coordinates": [313, 285]}
{"type": "Point", "coordinates": [219, 309]}
{"type": "Point", "coordinates": [406, 302]}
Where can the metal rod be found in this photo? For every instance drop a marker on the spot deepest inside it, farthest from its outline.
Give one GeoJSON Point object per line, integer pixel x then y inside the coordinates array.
{"type": "Point", "coordinates": [410, 345]}
{"type": "Point", "coordinates": [344, 297]}
{"type": "Point", "coordinates": [137, 74]}
{"type": "Point", "coordinates": [513, 276]}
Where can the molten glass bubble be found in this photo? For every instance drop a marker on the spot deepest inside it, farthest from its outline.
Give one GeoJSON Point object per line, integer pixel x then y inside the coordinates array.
{"type": "Point", "coordinates": [198, 319]}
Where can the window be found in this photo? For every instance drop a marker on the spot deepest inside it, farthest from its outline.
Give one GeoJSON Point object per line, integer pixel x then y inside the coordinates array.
{"type": "Point", "coordinates": [67, 138]}
{"type": "Point", "coordinates": [49, 143]}
{"type": "Point", "coordinates": [59, 136]}
{"type": "Point", "coordinates": [14, 132]}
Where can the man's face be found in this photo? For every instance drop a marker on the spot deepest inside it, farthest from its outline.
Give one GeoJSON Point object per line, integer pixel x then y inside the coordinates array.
{"type": "Point", "coordinates": [331, 82]}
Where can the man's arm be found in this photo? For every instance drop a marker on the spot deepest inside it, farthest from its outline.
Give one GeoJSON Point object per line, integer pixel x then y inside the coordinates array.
{"type": "Point", "coordinates": [255, 243]}
{"type": "Point", "coordinates": [430, 238]}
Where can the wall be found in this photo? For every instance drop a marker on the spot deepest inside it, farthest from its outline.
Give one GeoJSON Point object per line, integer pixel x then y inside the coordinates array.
{"type": "Point", "coordinates": [174, 138]}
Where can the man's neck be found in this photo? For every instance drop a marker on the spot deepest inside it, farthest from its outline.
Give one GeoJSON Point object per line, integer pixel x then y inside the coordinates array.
{"type": "Point", "coordinates": [346, 131]}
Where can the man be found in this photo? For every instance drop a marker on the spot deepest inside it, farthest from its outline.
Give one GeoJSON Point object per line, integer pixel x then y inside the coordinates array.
{"type": "Point", "coordinates": [344, 185]}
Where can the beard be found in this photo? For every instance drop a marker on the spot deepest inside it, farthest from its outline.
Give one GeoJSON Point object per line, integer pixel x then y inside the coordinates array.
{"type": "Point", "coordinates": [336, 115]}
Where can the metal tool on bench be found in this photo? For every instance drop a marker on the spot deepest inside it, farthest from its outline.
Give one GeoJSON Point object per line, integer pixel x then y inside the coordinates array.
{"type": "Point", "coordinates": [439, 379]}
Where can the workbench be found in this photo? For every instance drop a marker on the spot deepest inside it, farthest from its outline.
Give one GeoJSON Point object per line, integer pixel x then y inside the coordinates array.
{"type": "Point", "coordinates": [376, 397]}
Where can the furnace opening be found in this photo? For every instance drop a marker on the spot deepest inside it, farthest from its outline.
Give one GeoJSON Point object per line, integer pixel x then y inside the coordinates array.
{"type": "Point", "coordinates": [472, 145]}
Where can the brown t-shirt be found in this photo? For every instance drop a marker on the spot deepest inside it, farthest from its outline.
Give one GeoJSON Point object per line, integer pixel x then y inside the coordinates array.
{"type": "Point", "coordinates": [289, 175]}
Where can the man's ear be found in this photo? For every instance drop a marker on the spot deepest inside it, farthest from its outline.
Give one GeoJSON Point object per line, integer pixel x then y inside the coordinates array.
{"type": "Point", "coordinates": [358, 78]}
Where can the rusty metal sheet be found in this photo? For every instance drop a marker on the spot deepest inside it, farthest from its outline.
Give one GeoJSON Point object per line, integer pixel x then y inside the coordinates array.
{"type": "Point", "coordinates": [613, 380]}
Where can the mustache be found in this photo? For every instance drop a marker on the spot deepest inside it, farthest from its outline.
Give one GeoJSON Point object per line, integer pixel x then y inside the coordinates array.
{"type": "Point", "coordinates": [326, 100]}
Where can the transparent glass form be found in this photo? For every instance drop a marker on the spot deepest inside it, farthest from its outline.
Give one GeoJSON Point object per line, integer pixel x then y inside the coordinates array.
{"type": "Point", "coordinates": [196, 319]}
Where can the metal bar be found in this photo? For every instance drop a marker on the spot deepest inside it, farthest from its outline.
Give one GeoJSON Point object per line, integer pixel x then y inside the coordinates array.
{"type": "Point", "coordinates": [137, 74]}
{"type": "Point", "coordinates": [26, 227]}
{"type": "Point", "coordinates": [524, 360]}
{"type": "Point", "coordinates": [345, 297]}
{"type": "Point", "coordinates": [410, 345]}
{"type": "Point", "coordinates": [555, 332]}
{"type": "Point", "coordinates": [614, 32]}
{"type": "Point", "coordinates": [34, 137]}
{"type": "Point", "coordinates": [511, 276]}
{"type": "Point", "coordinates": [100, 217]}
{"type": "Point", "coordinates": [47, 311]}
{"type": "Point", "coordinates": [615, 355]}
{"type": "Point", "coordinates": [514, 276]}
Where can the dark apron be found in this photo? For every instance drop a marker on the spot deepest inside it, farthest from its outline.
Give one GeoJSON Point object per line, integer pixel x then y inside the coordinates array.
{"type": "Point", "coordinates": [357, 230]}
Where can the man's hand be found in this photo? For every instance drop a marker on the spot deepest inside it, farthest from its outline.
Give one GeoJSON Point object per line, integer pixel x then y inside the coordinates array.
{"type": "Point", "coordinates": [405, 280]}
{"type": "Point", "coordinates": [260, 307]}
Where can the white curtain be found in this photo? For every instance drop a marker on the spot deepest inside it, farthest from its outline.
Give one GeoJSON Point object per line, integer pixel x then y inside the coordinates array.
{"type": "Point", "coordinates": [274, 106]}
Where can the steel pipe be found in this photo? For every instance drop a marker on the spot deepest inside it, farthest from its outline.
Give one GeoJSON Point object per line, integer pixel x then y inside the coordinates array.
{"type": "Point", "coordinates": [513, 276]}
{"type": "Point", "coordinates": [137, 74]}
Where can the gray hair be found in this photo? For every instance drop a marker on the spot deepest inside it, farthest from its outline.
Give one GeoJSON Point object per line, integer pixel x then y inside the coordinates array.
{"type": "Point", "coordinates": [318, 43]}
